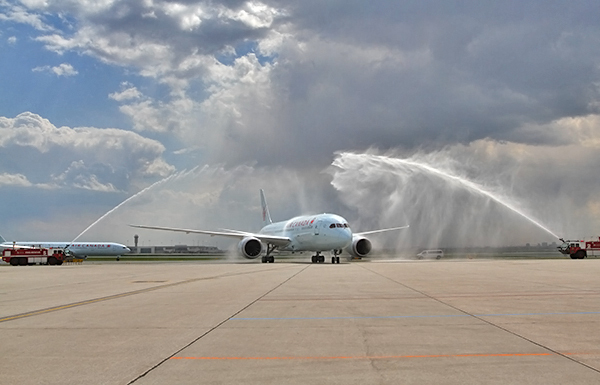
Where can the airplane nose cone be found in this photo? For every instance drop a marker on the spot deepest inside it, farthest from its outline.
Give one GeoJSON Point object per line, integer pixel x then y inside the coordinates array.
{"type": "Point", "coordinates": [127, 250]}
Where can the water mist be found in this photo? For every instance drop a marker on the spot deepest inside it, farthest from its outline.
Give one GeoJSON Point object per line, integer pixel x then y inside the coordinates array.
{"type": "Point", "coordinates": [443, 207]}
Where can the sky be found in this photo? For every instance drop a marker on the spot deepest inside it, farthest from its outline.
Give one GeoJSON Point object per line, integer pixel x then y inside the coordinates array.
{"type": "Point", "coordinates": [477, 123]}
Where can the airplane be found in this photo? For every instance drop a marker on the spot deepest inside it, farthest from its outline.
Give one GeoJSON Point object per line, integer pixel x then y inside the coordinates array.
{"type": "Point", "coordinates": [315, 233]}
{"type": "Point", "coordinates": [76, 249]}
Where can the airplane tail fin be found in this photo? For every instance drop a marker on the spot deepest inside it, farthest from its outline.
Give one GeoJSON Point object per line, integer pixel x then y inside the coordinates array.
{"type": "Point", "coordinates": [2, 240]}
{"type": "Point", "coordinates": [266, 216]}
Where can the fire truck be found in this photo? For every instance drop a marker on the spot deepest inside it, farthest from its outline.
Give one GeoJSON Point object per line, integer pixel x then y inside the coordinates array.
{"type": "Point", "coordinates": [31, 256]}
{"type": "Point", "coordinates": [580, 249]}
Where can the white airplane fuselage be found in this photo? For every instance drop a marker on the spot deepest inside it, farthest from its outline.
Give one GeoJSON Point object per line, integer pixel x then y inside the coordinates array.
{"type": "Point", "coordinates": [312, 232]}
{"type": "Point", "coordinates": [79, 249]}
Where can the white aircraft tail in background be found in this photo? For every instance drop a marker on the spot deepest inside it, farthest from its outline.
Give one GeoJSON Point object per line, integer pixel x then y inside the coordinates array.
{"type": "Point", "coordinates": [316, 233]}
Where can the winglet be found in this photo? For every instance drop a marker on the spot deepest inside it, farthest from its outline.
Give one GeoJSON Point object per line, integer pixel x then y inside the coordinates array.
{"type": "Point", "coordinates": [266, 216]}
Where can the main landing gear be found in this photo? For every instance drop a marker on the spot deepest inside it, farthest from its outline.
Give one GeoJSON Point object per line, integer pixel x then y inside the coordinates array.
{"type": "Point", "coordinates": [269, 258]}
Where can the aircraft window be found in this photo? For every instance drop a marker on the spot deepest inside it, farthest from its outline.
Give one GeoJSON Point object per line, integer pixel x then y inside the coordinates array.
{"type": "Point", "coordinates": [345, 225]}
{"type": "Point", "coordinates": [332, 226]}
{"type": "Point", "coordinates": [339, 225]}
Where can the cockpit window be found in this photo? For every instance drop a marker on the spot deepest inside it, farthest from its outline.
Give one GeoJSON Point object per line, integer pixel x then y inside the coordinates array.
{"type": "Point", "coordinates": [338, 225]}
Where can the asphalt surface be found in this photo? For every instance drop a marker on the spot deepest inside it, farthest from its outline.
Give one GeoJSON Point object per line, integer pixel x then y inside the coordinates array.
{"type": "Point", "coordinates": [380, 322]}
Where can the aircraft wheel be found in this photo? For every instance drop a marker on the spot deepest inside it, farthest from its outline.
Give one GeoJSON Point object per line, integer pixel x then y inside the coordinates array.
{"type": "Point", "coordinates": [322, 258]}
{"type": "Point", "coordinates": [337, 260]}
{"type": "Point", "coordinates": [271, 259]}
{"type": "Point", "coordinates": [332, 259]}
{"type": "Point", "coordinates": [263, 259]}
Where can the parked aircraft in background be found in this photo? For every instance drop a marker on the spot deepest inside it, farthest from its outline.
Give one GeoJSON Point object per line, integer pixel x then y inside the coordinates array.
{"type": "Point", "coordinates": [316, 233]}
{"type": "Point", "coordinates": [77, 249]}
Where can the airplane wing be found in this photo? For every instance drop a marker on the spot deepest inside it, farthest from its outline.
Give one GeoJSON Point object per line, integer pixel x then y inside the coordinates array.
{"type": "Point", "coordinates": [272, 239]}
{"type": "Point", "coordinates": [16, 246]}
{"type": "Point", "coordinates": [382, 230]}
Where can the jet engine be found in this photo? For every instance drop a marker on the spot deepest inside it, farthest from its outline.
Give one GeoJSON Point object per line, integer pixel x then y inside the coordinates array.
{"type": "Point", "coordinates": [250, 247]}
{"type": "Point", "coordinates": [359, 247]}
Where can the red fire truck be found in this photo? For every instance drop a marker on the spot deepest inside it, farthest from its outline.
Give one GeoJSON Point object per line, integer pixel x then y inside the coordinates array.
{"type": "Point", "coordinates": [31, 256]}
{"type": "Point", "coordinates": [580, 249]}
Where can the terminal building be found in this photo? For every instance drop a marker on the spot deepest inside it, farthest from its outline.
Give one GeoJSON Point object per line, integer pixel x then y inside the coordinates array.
{"type": "Point", "coordinates": [173, 249]}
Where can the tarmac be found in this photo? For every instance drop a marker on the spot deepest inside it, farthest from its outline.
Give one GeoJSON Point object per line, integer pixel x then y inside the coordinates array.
{"type": "Point", "coordinates": [379, 322]}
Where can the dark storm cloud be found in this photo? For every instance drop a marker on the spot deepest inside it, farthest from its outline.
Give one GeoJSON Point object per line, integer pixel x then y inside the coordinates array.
{"type": "Point", "coordinates": [468, 71]}
{"type": "Point", "coordinates": [148, 23]}
{"type": "Point", "coordinates": [284, 85]}
{"type": "Point", "coordinates": [349, 75]}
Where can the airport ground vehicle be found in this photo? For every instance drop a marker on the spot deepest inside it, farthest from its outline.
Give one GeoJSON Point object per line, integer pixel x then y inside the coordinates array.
{"type": "Point", "coordinates": [31, 256]}
{"type": "Point", "coordinates": [580, 249]}
{"type": "Point", "coordinates": [426, 254]}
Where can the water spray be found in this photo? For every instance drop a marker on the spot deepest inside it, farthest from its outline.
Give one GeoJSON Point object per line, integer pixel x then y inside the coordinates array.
{"type": "Point", "coordinates": [153, 185]}
{"type": "Point", "coordinates": [383, 166]}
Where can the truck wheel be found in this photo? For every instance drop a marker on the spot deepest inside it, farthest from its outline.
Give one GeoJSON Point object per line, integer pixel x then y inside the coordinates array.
{"type": "Point", "coordinates": [23, 261]}
{"type": "Point", "coordinates": [14, 261]}
{"type": "Point", "coordinates": [580, 254]}
{"type": "Point", "coordinates": [52, 261]}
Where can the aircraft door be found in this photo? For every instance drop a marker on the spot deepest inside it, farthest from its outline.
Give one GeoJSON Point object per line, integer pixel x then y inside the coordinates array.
{"type": "Point", "coordinates": [318, 227]}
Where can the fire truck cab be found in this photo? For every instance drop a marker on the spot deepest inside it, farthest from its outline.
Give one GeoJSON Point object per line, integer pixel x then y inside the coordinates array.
{"type": "Point", "coordinates": [580, 249]}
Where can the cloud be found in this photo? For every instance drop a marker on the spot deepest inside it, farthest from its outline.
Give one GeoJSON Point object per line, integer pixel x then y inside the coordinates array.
{"type": "Point", "coordinates": [161, 38]}
{"type": "Point", "coordinates": [21, 14]}
{"type": "Point", "coordinates": [389, 75]}
{"type": "Point", "coordinates": [289, 84]}
{"type": "Point", "coordinates": [127, 94]}
{"type": "Point", "coordinates": [14, 180]}
{"type": "Point", "coordinates": [82, 157]}
{"type": "Point", "coordinates": [79, 175]}
{"type": "Point", "coordinates": [63, 69]}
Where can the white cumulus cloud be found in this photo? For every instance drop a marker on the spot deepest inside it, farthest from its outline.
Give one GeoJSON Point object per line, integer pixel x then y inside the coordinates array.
{"type": "Point", "coordinates": [63, 69]}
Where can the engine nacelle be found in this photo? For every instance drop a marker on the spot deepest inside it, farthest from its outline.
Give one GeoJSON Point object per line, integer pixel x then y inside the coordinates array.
{"type": "Point", "coordinates": [359, 247]}
{"type": "Point", "coordinates": [250, 247]}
